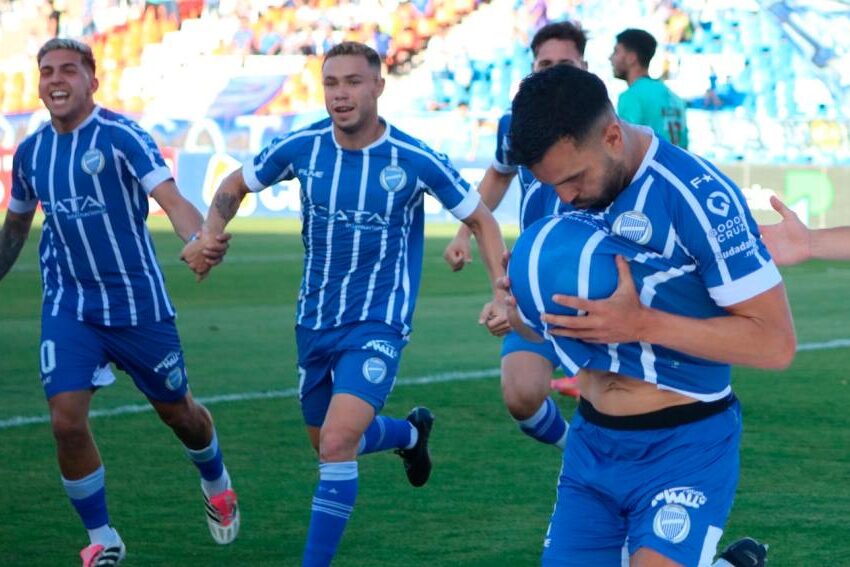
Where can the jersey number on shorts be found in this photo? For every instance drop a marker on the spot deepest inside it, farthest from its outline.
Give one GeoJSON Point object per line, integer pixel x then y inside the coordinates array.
{"type": "Point", "coordinates": [48, 357]}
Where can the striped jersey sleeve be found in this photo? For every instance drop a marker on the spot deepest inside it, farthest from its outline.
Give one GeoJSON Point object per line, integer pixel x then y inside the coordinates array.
{"type": "Point", "coordinates": [444, 182]}
{"type": "Point", "coordinates": [23, 198]}
{"type": "Point", "coordinates": [276, 162]}
{"type": "Point", "coordinates": [501, 161]}
{"type": "Point", "coordinates": [139, 151]}
{"type": "Point", "coordinates": [715, 226]}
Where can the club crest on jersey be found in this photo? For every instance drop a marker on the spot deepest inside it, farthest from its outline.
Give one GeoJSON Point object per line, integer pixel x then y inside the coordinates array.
{"type": "Point", "coordinates": [634, 226]}
{"type": "Point", "coordinates": [93, 161]}
{"type": "Point", "coordinates": [375, 370]}
{"type": "Point", "coordinates": [392, 178]}
{"type": "Point", "coordinates": [672, 522]}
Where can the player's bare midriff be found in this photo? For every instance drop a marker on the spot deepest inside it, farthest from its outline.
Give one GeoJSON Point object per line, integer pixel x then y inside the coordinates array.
{"type": "Point", "coordinates": [616, 394]}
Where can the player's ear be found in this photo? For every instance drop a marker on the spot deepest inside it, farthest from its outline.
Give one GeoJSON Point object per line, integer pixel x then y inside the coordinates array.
{"type": "Point", "coordinates": [612, 136]}
{"type": "Point", "coordinates": [95, 84]}
{"type": "Point", "coordinates": [380, 82]}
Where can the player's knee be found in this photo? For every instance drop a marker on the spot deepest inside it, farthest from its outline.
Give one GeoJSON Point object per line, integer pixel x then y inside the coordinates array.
{"type": "Point", "coordinates": [337, 445]}
{"type": "Point", "coordinates": [69, 428]}
{"type": "Point", "coordinates": [522, 396]}
{"type": "Point", "coordinates": [185, 416]}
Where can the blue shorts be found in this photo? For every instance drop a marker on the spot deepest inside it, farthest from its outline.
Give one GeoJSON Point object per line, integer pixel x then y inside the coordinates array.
{"type": "Point", "coordinates": [513, 342]}
{"type": "Point", "coordinates": [75, 356]}
{"type": "Point", "coordinates": [360, 359]}
{"type": "Point", "coordinates": [670, 490]}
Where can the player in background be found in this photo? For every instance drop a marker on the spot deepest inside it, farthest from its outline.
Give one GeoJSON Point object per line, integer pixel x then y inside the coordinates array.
{"type": "Point", "coordinates": [682, 209]}
{"type": "Point", "coordinates": [792, 242]}
{"type": "Point", "coordinates": [527, 367]}
{"type": "Point", "coordinates": [647, 101]}
{"type": "Point", "coordinates": [105, 301]}
{"type": "Point", "coordinates": [362, 188]}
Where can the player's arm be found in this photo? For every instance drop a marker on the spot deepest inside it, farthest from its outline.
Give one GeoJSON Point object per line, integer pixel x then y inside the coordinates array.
{"type": "Point", "coordinates": [13, 235]}
{"type": "Point", "coordinates": [186, 221]}
{"type": "Point", "coordinates": [492, 189]}
{"type": "Point", "coordinates": [757, 332]}
{"type": "Point", "coordinates": [791, 242]}
{"type": "Point", "coordinates": [491, 248]}
{"type": "Point", "coordinates": [206, 251]}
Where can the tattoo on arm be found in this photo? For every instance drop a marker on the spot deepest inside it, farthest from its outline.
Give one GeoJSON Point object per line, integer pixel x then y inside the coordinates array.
{"type": "Point", "coordinates": [226, 205]}
{"type": "Point", "coordinates": [12, 239]}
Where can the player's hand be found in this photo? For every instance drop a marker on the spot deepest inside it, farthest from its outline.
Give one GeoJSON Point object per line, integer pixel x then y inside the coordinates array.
{"type": "Point", "coordinates": [458, 253]}
{"type": "Point", "coordinates": [495, 316]}
{"type": "Point", "coordinates": [789, 241]}
{"type": "Point", "coordinates": [617, 319]}
{"type": "Point", "coordinates": [216, 247]}
{"type": "Point", "coordinates": [192, 254]}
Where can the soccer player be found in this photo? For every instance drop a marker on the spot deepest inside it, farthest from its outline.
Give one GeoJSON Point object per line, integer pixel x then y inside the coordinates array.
{"type": "Point", "coordinates": [104, 294]}
{"type": "Point", "coordinates": [527, 366]}
{"type": "Point", "coordinates": [362, 186]}
{"type": "Point", "coordinates": [792, 242]}
{"type": "Point", "coordinates": [647, 101]}
{"type": "Point", "coordinates": [636, 456]}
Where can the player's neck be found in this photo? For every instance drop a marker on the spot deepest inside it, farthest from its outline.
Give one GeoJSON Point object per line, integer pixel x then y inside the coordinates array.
{"type": "Point", "coordinates": [361, 138]}
{"type": "Point", "coordinates": [64, 125]}
{"type": "Point", "coordinates": [637, 142]}
{"type": "Point", "coordinates": [635, 74]}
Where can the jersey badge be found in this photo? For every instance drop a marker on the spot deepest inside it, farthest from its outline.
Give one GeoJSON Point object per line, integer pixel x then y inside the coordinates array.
{"type": "Point", "coordinates": [634, 226]}
{"type": "Point", "coordinates": [392, 178]}
{"type": "Point", "coordinates": [93, 161]}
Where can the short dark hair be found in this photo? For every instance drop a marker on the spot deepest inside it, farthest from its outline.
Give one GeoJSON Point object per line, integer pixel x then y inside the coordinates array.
{"type": "Point", "coordinates": [564, 31]}
{"type": "Point", "coordinates": [71, 45]}
{"type": "Point", "coordinates": [559, 102]}
{"type": "Point", "coordinates": [355, 48]}
{"type": "Point", "coordinates": [639, 42]}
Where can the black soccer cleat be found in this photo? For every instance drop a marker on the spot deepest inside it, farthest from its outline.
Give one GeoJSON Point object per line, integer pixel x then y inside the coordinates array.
{"type": "Point", "coordinates": [417, 459]}
{"type": "Point", "coordinates": [746, 552]}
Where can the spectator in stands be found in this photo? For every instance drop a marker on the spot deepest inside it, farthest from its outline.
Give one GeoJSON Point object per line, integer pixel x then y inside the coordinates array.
{"type": "Point", "coordinates": [243, 39]}
{"type": "Point", "coordinates": [270, 41]}
{"type": "Point", "coordinates": [647, 101]}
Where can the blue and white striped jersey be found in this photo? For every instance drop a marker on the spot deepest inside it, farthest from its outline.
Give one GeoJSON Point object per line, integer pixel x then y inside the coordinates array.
{"type": "Point", "coordinates": [363, 220]}
{"type": "Point", "coordinates": [537, 199]}
{"type": "Point", "coordinates": [684, 208]}
{"type": "Point", "coordinates": [575, 254]}
{"type": "Point", "coordinates": [97, 257]}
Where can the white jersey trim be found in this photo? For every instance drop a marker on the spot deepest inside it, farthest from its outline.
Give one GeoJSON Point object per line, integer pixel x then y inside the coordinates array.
{"type": "Point", "coordinates": [17, 206]}
{"type": "Point", "coordinates": [503, 168]}
{"type": "Point", "coordinates": [701, 397]}
{"type": "Point", "coordinates": [467, 206]}
{"type": "Point", "coordinates": [152, 180]}
{"type": "Point", "coordinates": [747, 287]}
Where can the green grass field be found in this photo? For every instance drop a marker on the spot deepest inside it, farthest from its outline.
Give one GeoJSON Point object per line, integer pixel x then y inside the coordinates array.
{"type": "Point", "coordinates": [492, 489]}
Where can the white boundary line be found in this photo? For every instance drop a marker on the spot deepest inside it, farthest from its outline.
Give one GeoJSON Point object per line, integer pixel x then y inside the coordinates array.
{"type": "Point", "coordinates": [20, 421]}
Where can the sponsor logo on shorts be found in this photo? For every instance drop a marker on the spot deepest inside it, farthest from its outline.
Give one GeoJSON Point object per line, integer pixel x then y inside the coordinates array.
{"type": "Point", "coordinates": [682, 495]}
{"type": "Point", "coordinates": [375, 370]}
{"type": "Point", "coordinates": [384, 347]}
{"type": "Point", "coordinates": [174, 379]}
{"type": "Point", "coordinates": [672, 523]}
{"type": "Point", "coordinates": [170, 360]}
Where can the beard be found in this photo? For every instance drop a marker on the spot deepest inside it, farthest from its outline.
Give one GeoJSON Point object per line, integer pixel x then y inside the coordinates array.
{"type": "Point", "coordinates": [612, 185]}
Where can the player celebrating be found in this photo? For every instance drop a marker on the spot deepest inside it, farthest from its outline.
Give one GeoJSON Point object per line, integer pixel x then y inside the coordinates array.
{"type": "Point", "coordinates": [104, 294]}
{"type": "Point", "coordinates": [527, 366]}
{"type": "Point", "coordinates": [681, 208]}
{"type": "Point", "coordinates": [362, 186]}
{"type": "Point", "coordinates": [792, 242]}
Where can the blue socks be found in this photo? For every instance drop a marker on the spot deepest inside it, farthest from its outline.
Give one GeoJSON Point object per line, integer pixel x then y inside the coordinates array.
{"type": "Point", "coordinates": [88, 496]}
{"type": "Point", "coordinates": [333, 502]}
{"type": "Point", "coordinates": [387, 433]}
{"type": "Point", "coordinates": [214, 477]}
{"type": "Point", "coordinates": [546, 425]}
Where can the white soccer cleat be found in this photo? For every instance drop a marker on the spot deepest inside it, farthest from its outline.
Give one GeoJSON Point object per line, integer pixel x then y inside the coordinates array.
{"type": "Point", "coordinates": [223, 516]}
{"type": "Point", "coordinates": [97, 555]}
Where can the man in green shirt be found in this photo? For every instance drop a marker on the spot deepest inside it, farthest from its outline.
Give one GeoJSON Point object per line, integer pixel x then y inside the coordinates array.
{"type": "Point", "coordinates": [647, 101]}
